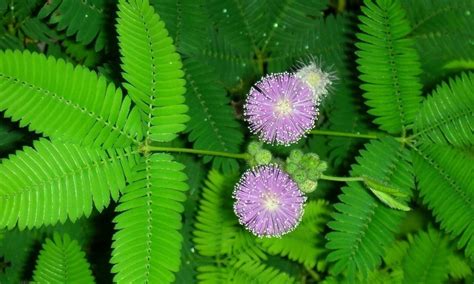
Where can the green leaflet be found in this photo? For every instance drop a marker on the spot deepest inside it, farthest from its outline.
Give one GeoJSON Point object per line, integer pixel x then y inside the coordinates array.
{"type": "Point", "coordinates": [447, 116]}
{"type": "Point", "coordinates": [363, 226]}
{"type": "Point", "coordinates": [213, 126]}
{"type": "Point", "coordinates": [55, 181]}
{"type": "Point", "coordinates": [65, 102]}
{"type": "Point", "coordinates": [389, 65]}
{"type": "Point", "coordinates": [147, 244]}
{"type": "Point", "coordinates": [446, 186]}
{"type": "Point", "coordinates": [61, 260]}
{"type": "Point", "coordinates": [152, 69]}
{"type": "Point", "coordinates": [386, 194]}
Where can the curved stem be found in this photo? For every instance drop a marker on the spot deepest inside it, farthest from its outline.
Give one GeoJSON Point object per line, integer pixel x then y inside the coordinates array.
{"type": "Point", "coordinates": [344, 134]}
{"type": "Point", "coordinates": [243, 156]}
{"type": "Point", "coordinates": [333, 178]}
{"type": "Point", "coordinates": [313, 274]}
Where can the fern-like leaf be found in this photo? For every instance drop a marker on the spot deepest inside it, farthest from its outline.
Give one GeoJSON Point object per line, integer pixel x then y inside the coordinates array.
{"type": "Point", "coordinates": [389, 65]}
{"type": "Point", "coordinates": [427, 259]}
{"type": "Point", "coordinates": [308, 232]}
{"type": "Point", "coordinates": [458, 267]}
{"type": "Point", "coordinates": [238, 272]}
{"type": "Point", "coordinates": [61, 260]}
{"type": "Point", "coordinates": [185, 21]}
{"type": "Point", "coordinates": [363, 225]}
{"type": "Point", "coordinates": [289, 22]}
{"type": "Point", "coordinates": [86, 19]}
{"type": "Point", "coordinates": [152, 69]}
{"type": "Point", "coordinates": [445, 181]}
{"type": "Point", "coordinates": [56, 181]}
{"type": "Point", "coordinates": [213, 126]}
{"type": "Point", "coordinates": [65, 102]}
{"type": "Point", "coordinates": [147, 245]}
{"type": "Point", "coordinates": [447, 116]}
{"type": "Point", "coordinates": [441, 30]}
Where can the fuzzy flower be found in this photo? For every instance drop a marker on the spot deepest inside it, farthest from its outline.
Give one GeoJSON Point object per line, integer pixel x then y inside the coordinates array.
{"type": "Point", "coordinates": [268, 202]}
{"type": "Point", "coordinates": [280, 109]}
{"type": "Point", "coordinates": [318, 80]}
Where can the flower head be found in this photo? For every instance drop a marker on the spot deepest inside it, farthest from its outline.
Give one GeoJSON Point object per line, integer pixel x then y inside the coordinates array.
{"type": "Point", "coordinates": [268, 202]}
{"type": "Point", "coordinates": [318, 80]}
{"type": "Point", "coordinates": [280, 108]}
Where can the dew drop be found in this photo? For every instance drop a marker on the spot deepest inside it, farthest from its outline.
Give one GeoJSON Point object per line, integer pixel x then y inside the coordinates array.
{"type": "Point", "coordinates": [86, 16]}
{"type": "Point", "coordinates": [306, 47]}
{"type": "Point", "coordinates": [275, 25]}
{"type": "Point", "coordinates": [264, 34]}
{"type": "Point", "coordinates": [224, 10]}
{"type": "Point", "coordinates": [468, 13]}
{"type": "Point", "coordinates": [192, 250]}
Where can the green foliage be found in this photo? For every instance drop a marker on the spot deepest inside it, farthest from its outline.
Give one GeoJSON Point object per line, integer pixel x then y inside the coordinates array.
{"type": "Point", "coordinates": [389, 65]}
{"type": "Point", "coordinates": [83, 176]}
{"type": "Point", "coordinates": [62, 261]}
{"type": "Point", "coordinates": [213, 126]}
{"type": "Point", "coordinates": [65, 102]}
{"type": "Point", "coordinates": [85, 19]}
{"type": "Point", "coordinates": [152, 69]}
{"type": "Point", "coordinates": [445, 182]}
{"type": "Point", "coordinates": [363, 226]}
{"type": "Point", "coordinates": [19, 248]}
{"type": "Point", "coordinates": [235, 254]}
{"type": "Point", "coordinates": [427, 259]}
{"type": "Point", "coordinates": [147, 246]}
{"type": "Point", "coordinates": [308, 232]}
{"type": "Point", "coordinates": [96, 148]}
{"type": "Point", "coordinates": [441, 32]}
{"type": "Point", "coordinates": [242, 272]}
{"type": "Point", "coordinates": [447, 116]}
{"type": "Point", "coordinates": [8, 137]}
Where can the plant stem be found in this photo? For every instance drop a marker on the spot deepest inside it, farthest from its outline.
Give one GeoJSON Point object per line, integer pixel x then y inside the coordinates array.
{"type": "Point", "coordinates": [243, 156]}
{"type": "Point", "coordinates": [333, 178]}
{"type": "Point", "coordinates": [344, 134]}
{"type": "Point", "coordinates": [313, 274]}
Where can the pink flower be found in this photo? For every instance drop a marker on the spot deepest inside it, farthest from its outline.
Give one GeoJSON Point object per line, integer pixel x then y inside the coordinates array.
{"type": "Point", "coordinates": [280, 108]}
{"type": "Point", "coordinates": [268, 202]}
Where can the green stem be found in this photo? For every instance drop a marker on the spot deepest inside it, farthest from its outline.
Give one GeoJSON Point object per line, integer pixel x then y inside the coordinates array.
{"type": "Point", "coordinates": [313, 274]}
{"type": "Point", "coordinates": [243, 156]}
{"type": "Point", "coordinates": [333, 178]}
{"type": "Point", "coordinates": [344, 134]}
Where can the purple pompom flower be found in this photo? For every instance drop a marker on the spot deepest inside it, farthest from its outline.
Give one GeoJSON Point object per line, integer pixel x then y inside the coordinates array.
{"type": "Point", "coordinates": [268, 202]}
{"type": "Point", "coordinates": [280, 108]}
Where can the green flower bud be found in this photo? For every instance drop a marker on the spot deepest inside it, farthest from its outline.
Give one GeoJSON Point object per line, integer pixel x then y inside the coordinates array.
{"type": "Point", "coordinates": [296, 156]}
{"type": "Point", "coordinates": [322, 167]}
{"type": "Point", "coordinates": [263, 157]}
{"type": "Point", "coordinates": [314, 174]}
{"type": "Point", "coordinates": [254, 147]}
{"type": "Point", "coordinates": [299, 176]}
{"type": "Point", "coordinates": [291, 168]}
{"type": "Point", "coordinates": [308, 186]}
